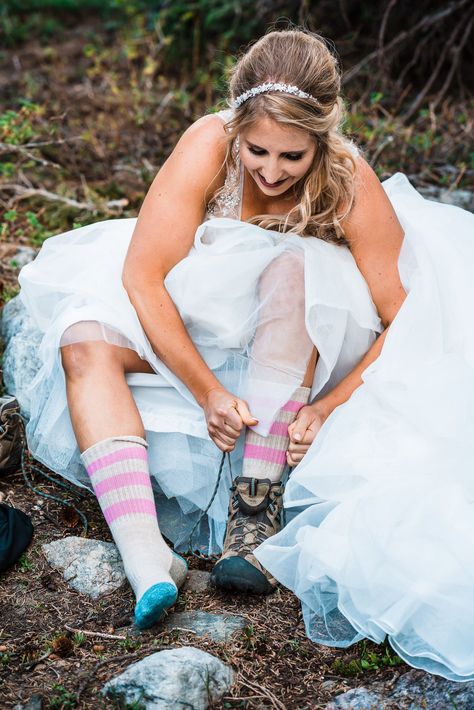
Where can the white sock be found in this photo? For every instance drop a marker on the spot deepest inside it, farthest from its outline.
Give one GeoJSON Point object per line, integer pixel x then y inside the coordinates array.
{"type": "Point", "coordinates": [265, 456]}
{"type": "Point", "coordinates": [118, 469]}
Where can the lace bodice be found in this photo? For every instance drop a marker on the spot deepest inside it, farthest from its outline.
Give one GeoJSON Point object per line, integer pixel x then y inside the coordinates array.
{"type": "Point", "coordinates": [229, 201]}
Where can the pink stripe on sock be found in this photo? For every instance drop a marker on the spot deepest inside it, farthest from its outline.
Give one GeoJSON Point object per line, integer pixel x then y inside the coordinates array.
{"type": "Point", "coordinates": [131, 452]}
{"type": "Point", "coordinates": [279, 428]}
{"type": "Point", "coordinates": [127, 507]}
{"type": "Point", "coordinates": [262, 453]}
{"type": "Point", "coordinates": [292, 406]}
{"type": "Point", "coordinates": [120, 480]}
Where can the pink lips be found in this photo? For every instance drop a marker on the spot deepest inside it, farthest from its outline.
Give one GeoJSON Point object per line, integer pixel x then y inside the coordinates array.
{"type": "Point", "coordinates": [270, 184]}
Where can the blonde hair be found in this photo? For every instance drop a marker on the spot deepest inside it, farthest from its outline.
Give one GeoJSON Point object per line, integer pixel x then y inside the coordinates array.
{"type": "Point", "coordinates": [300, 58]}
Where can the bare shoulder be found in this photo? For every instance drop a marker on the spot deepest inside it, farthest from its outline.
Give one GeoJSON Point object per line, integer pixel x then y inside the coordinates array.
{"type": "Point", "coordinates": [175, 203]}
{"type": "Point", "coordinates": [372, 217]}
{"type": "Point", "coordinates": [201, 151]}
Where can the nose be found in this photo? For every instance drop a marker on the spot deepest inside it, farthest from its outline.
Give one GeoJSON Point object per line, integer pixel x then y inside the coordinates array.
{"type": "Point", "coordinates": [271, 171]}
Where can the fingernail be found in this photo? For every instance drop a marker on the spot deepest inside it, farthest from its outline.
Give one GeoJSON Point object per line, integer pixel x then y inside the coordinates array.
{"type": "Point", "coordinates": [297, 437]}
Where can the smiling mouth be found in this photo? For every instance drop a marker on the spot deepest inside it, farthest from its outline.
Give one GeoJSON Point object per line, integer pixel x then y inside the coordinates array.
{"type": "Point", "coordinates": [270, 184]}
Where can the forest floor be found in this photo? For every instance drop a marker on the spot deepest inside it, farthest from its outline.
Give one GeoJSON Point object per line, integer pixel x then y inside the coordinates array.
{"type": "Point", "coordinates": [276, 665]}
{"type": "Point", "coordinates": [86, 119]}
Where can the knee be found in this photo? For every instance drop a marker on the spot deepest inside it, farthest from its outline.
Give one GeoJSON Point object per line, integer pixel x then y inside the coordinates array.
{"type": "Point", "coordinates": [282, 282]}
{"type": "Point", "coordinates": [83, 358]}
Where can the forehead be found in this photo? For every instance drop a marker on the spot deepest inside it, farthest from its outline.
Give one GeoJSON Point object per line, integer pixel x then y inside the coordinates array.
{"type": "Point", "coordinates": [271, 135]}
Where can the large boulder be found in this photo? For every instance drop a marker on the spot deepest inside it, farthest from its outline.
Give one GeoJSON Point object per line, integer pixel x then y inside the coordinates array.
{"type": "Point", "coordinates": [173, 679]}
{"type": "Point", "coordinates": [91, 567]}
{"type": "Point", "coordinates": [21, 340]}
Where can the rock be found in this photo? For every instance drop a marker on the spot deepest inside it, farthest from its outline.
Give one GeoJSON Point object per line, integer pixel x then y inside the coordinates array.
{"type": "Point", "coordinates": [358, 699]}
{"type": "Point", "coordinates": [173, 679]}
{"type": "Point", "coordinates": [91, 567]}
{"type": "Point", "coordinates": [219, 627]}
{"type": "Point", "coordinates": [459, 198]}
{"type": "Point", "coordinates": [20, 360]}
{"type": "Point", "coordinates": [34, 703]}
{"type": "Point", "coordinates": [22, 257]}
{"type": "Point", "coordinates": [415, 690]}
{"type": "Point", "coordinates": [418, 690]}
{"type": "Point", "coordinates": [197, 581]}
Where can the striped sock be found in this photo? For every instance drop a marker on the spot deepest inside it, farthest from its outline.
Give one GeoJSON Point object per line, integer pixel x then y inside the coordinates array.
{"type": "Point", "coordinates": [118, 470]}
{"type": "Point", "coordinates": [265, 456]}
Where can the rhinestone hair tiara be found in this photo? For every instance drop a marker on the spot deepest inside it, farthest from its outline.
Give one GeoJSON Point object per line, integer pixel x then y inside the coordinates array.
{"type": "Point", "coordinates": [271, 86]}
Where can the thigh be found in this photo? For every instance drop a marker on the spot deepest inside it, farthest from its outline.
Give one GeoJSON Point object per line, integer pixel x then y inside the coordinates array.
{"type": "Point", "coordinates": [86, 357]}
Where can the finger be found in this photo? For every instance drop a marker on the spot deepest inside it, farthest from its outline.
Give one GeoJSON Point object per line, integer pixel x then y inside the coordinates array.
{"type": "Point", "coordinates": [299, 429]}
{"type": "Point", "coordinates": [293, 460]}
{"type": "Point", "coordinates": [225, 438]}
{"type": "Point", "coordinates": [298, 448]}
{"type": "Point", "coordinates": [233, 418]}
{"type": "Point", "coordinates": [235, 433]}
{"type": "Point", "coordinates": [247, 418]}
{"type": "Point", "coordinates": [222, 445]}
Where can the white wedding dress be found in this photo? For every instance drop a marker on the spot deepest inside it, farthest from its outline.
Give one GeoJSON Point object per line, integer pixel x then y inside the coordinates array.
{"type": "Point", "coordinates": [380, 542]}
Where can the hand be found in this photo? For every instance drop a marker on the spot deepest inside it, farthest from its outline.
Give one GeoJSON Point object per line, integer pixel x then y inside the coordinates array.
{"type": "Point", "coordinates": [226, 415]}
{"type": "Point", "coordinates": [302, 432]}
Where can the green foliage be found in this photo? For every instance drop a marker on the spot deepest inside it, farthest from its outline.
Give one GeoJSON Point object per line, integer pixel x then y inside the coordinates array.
{"type": "Point", "coordinates": [78, 639]}
{"type": "Point", "coordinates": [372, 658]}
{"type": "Point", "coordinates": [63, 699]}
{"type": "Point", "coordinates": [17, 127]}
{"type": "Point", "coordinates": [24, 564]}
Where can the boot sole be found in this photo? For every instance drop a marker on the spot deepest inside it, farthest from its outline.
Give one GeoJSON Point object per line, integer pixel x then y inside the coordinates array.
{"type": "Point", "coordinates": [238, 575]}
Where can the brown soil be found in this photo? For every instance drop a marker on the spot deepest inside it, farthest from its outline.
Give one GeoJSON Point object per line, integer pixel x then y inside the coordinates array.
{"type": "Point", "coordinates": [276, 665]}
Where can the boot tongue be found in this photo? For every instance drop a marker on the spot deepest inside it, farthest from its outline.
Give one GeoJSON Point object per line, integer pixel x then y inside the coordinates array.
{"type": "Point", "coordinates": [252, 494]}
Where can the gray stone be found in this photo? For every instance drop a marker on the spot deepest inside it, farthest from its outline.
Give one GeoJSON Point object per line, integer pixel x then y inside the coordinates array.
{"type": "Point", "coordinates": [197, 581]}
{"type": "Point", "coordinates": [417, 690]}
{"type": "Point", "coordinates": [174, 679]}
{"type": "Point", "coordinates": [34, 703]}
{"type": "Point", "coordinates": [219, 627]}
{"type": "Point", "coordinates": [22, 257]}
{"type": "Point", "coordinates": [91, 567]}
{"type": "Point", "coordinates": [358, 699]}
{"type": "Point", "coordinates": [20, 359]}
{"type": "Point", "coordinates": [459, 198]}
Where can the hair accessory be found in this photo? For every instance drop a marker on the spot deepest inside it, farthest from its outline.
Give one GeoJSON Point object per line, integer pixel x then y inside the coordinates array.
{"type": "Point", "coordinates": [271, 86]}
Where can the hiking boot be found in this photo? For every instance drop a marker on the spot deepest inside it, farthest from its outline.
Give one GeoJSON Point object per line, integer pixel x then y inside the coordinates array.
{"type": "Point", "coordinates": [254, 516]}
{"type": "Point", "coordinates": [11, 434]}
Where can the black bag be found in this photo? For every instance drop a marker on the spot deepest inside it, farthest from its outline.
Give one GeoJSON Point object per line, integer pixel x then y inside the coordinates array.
{"type": "Point", "coordinates": [16, 532]}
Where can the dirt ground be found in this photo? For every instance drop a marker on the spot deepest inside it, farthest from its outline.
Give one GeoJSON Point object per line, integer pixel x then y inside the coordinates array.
{"type": "Point", "coordinates": [276, 665]}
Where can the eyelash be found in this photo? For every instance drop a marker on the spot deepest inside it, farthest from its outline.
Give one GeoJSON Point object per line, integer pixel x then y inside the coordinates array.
{"type": "Point", "coordinates": [288, 155]}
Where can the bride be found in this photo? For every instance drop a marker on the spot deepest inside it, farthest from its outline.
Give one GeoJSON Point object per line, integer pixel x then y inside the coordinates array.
{"type": "Point", "coordinates": [275, 302]}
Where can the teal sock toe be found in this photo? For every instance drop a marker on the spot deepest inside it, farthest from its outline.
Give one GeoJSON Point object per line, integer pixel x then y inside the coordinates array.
{"type": "Point", "coordinates": [152, 605]}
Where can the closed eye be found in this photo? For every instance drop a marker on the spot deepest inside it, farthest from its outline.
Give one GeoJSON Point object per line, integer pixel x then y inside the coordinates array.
{"type": "Point", "coordinates": [289, 156]}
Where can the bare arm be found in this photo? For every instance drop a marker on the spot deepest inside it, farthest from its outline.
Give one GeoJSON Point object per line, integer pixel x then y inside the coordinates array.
{"type": "Point", "coordinates": [375, 237]}
{"type": "Point", "coordinates": [172, 210]}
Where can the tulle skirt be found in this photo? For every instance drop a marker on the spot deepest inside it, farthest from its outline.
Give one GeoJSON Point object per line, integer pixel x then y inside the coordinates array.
{"type": "Point", "coordinates": [379, 541]}
{"type": "Point", "coordinates": [382, 545]}
{"type": "Point", "coordinates": [254, 302]}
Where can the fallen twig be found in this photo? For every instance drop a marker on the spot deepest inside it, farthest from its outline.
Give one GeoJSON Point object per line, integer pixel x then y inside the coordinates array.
{"type": "Point", "coordinates": [267, 693]}
{"type": "Point", "coordinates": [96, 634]}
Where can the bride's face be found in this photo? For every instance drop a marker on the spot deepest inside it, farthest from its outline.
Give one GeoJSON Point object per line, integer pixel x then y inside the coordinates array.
{"type": "Point", "coordinates": [276, 155]}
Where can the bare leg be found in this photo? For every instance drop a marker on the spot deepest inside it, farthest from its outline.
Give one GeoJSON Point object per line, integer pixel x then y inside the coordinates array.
{"type": "Point", "coordinates": [99, 398]}
{"type": "Point", "coordinates": [110, 434]}
{"type": "Point", "coordinates": [283, 359]}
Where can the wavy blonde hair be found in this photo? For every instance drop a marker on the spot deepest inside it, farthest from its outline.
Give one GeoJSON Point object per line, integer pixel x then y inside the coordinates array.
{"type": "Point", "coordinates": [301, 58]}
